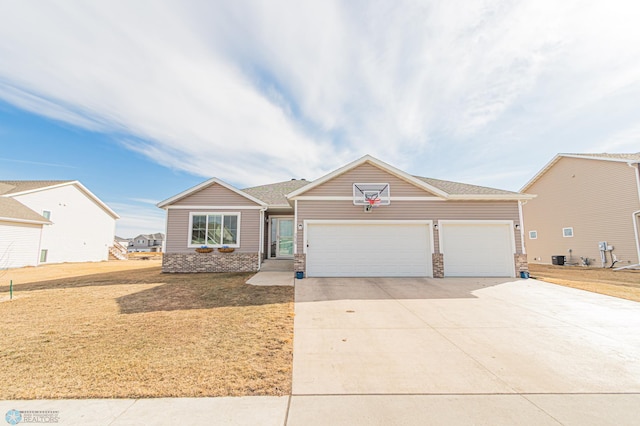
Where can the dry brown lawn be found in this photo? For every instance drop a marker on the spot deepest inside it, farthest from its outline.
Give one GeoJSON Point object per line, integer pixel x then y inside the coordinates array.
{"type": "Point", "coordinates": [125, 330]}
{"type": "Point", "coordinates": [624, 284]}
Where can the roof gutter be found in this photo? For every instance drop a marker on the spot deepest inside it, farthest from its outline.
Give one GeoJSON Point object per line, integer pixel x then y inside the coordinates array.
{"type": "Point", "coordinates": [36, 222]}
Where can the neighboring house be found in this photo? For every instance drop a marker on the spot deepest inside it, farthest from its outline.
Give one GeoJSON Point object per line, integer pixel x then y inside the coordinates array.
{"type": "Point", "coordinates": [146, 243]}
{"type": "Point", "coordinates": [420, 226]}
{"type": "Point", "coordinates": [583, 200]}
{"type": "Point", "coordinates": [52, 222]}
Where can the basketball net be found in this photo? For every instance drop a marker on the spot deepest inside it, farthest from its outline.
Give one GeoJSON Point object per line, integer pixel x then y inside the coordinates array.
{"type": "Point", "coordinates": [373, 202]}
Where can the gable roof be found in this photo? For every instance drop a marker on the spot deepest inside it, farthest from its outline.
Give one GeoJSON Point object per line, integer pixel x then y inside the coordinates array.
{"type": "Point", "coordinates": [445, 189]}
{"type": "Point", "coordinates": [25, 186]}
{"type": "Point", "coordinates": [203, 185]}
{"type": "Point", "coordinates": [14, 211]}
{"type": "Point", "coordinates": [275, 194]}
{"type": "Point", "coordinates": [375, 162]}
{"type": "Point", "coordinates": [621, 158]}
{"type": "Point", "coordinates": [14, 188]}
{"type": "Point", "coordinates": [156, 236]}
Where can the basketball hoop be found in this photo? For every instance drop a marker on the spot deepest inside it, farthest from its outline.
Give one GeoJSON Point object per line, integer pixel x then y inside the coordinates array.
{"type": "Point", "coordinates": [373, 202]}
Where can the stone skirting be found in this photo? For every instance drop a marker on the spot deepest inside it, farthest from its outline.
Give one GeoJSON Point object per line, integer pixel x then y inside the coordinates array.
{"type": "Point", "coordinates": [210, 262]}
{"type": "Point", "coordinates": [438, 265]}
{"type": "Point", "coordinates": [300, 263]}
{"type": "Point", "coordinates": [521, 264]}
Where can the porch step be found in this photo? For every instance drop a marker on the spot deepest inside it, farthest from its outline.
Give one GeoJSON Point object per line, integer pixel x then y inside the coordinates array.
{"type": "Point", "coordinates": [285, 265]}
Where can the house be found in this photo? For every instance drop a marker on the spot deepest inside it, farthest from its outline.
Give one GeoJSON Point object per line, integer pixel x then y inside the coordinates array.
{"type": "Point", "coordinates": [367, 218]}
{"type": "Point", "coordinates": [52, 222]}
{"type": "Point", "coordinates": [587, 211]}
{"type": "Point", "coordinates": [146, 243]}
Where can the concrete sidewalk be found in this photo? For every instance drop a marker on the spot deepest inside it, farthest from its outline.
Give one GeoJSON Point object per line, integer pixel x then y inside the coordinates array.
{"type": "Point", "coordinates": [250, 411]}
{"type": "Point", "coordinates": [347, 410]}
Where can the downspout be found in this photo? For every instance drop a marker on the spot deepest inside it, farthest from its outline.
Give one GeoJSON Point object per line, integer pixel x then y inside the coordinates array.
{"type": "Point", "coordinates": [520, 204]}
{"type": "Point", "coordinates": [636, 169]}
{"type": "Point", "coordinates": [295, 228]}
{"type": "Point", "coordinates": [261, 245]}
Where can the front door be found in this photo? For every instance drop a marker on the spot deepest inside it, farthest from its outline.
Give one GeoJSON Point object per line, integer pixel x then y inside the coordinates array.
{"type": "Point", "coordinates": [281, 237]}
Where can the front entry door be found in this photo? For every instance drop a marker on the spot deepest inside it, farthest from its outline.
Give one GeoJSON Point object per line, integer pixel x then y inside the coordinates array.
{"type": "Point", "coordinates": [281, 237]}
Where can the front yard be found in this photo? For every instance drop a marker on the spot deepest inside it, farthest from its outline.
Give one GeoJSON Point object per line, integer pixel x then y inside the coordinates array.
{"type": "Point", "coordinates": [624, 284]}
{"type": "Point", "coordinates": [98, 331]}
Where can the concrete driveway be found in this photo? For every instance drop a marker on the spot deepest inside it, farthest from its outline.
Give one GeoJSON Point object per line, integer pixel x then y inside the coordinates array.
{"type": "Point", "coordinates": [529, 351]}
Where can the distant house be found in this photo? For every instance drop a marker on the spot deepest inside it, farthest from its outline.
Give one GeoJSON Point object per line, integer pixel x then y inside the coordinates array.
{"type": "Point", "coordinates": [146, 243]}
{"type": "Point", "coordinates": [366, 218]}
{"type": "Point", "coordinates": [587, 210]}
{"type": "Point", "coordinates": [52, 222]}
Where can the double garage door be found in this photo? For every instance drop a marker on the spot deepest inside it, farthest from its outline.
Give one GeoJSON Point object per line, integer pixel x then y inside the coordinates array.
{"type": "Point", "coordinates": [356, 249]}
{"type": "Point", "coordinates": [404, 249]}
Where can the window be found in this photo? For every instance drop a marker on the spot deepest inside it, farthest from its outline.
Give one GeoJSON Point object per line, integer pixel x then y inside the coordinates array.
{"type": "Point", "coordinates": [215, 229]}
{"type": "Point", "coordinates": [43, 256]}
{"type": "Point", "coordinates": [567, 232]}
{"type": "Point", "coordinates": [533, 235]}
{"type": "Point", "coordinates": [46, 214]}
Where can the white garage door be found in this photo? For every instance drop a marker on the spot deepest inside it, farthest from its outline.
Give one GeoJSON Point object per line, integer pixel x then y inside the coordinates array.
{"type": "Point", "coordinates": [368, 250]}
{"type": "Point", "coordinates": [477, 249]}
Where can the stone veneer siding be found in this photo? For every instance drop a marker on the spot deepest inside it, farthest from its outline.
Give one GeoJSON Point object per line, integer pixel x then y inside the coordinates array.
{"type": "Point", "coordinates": [438, 265]}
{"type": "Point", "coordinates": [521, 264]}
{"type": "Point", "coordinates": [210, 262]}
{"type": "Point", "coordinates": [300, 263]}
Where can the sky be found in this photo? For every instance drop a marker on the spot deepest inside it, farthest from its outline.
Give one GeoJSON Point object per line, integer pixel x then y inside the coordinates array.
{"type": "Point", "coordinates": [140, 100]}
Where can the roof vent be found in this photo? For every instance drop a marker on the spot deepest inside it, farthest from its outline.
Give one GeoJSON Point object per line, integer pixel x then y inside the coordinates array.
{"type": "Point", "coordinates": [293, 178]}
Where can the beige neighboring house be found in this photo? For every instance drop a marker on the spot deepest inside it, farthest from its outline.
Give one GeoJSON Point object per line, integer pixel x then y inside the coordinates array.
{"type": "Point", "coordinates": [584, 201]}
{"type": "Point", "coordinates": [366, 219]}
{"type": "Point", "coordinates": [52, 222]}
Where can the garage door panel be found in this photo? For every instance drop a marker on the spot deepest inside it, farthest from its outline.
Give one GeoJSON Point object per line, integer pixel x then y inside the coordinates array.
{"type": "Point", "coordinates": [472, 250]}
{"type": "Point", "coordinates": [368, 250]}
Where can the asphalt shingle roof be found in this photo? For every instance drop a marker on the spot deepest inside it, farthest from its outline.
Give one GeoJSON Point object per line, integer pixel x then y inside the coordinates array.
{"type": "Point", "coordinates": [275, 193]}
{"type": "Point", "coordinates": [15, 186]}
{"type": "Point", "coordinates": [457, 188]}
{"type": "Point", "coordinates": [630, 157]}
{"type": "Point", "coordinates": [13, 209]}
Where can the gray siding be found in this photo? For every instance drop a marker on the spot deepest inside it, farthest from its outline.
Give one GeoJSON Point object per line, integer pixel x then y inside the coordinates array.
{"type": "Point", "coordinates": [215, 195]}
{"type": "Point", "coordinates": [594, 197]}
{"type": "Point", "coordinates": [178, 232]}
{"type": "Point", "coordinates": [342, 186]}
{"type": "Point", "coordinates": [410, 210]}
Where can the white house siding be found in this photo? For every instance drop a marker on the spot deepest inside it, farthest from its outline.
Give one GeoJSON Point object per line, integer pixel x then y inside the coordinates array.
{"type": "Point", "coordinates": [19, 244]}
{"type": "Point", "coordinates": [82, 231]}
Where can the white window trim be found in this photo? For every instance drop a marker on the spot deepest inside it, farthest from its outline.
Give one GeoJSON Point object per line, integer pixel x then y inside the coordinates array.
{"type": "Point", "coordinates": [533, 232]}
{"type": "Point", "coordinates": [190, 230]}
{"type": "Point", "coordinates": [567, 236]}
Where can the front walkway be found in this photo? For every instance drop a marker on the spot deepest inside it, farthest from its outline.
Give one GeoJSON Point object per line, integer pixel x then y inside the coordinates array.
{"type": "Point", "coordinates": [274, 272]}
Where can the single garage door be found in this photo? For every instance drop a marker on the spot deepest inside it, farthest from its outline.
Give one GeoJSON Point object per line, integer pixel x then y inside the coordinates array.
{"type": "Point", "coordinates": [356, 249]}
{"type": "Point", "coordinates": [477, 249]}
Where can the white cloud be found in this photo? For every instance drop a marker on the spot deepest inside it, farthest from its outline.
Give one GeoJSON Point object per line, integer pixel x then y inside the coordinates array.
{"type": "Point", "coordinates": [253, 92]}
